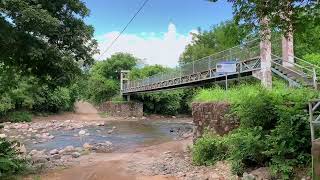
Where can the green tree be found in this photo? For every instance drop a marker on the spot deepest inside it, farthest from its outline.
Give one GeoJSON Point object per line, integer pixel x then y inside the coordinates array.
{"type": "Point", "coordinates": [166, 102]}
{"type": "Point", "coordinates": [219, 38]}
{"type": "Point", "coordinates": [104, 76]}
{"type": "Point", "coordinates": [48, 39]}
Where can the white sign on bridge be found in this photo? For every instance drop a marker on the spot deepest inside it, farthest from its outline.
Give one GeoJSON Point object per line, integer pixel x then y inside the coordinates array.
{"type": "Point", "coordinates": [226, 67]}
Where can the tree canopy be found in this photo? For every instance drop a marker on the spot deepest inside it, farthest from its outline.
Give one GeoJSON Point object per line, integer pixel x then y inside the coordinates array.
{"type": "Point", "coordinates": [48, 39]}
{"type": "Point", "coordinates": [219, 38]}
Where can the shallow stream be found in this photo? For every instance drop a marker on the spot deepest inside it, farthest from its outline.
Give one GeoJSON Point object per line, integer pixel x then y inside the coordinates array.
{"type": "Point", "coordinates": [126, 135]}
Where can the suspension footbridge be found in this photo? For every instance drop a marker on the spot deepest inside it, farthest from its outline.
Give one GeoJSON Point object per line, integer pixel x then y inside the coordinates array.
{"type": "Point", "coordinates": [247, 60]}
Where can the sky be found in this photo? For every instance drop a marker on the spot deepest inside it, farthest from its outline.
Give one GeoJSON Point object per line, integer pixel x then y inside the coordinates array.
{"type": "Point", "coordinates": [160, 32]}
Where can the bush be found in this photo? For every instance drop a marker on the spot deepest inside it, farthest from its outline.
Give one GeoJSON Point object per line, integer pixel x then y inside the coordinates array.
{"type": "Point", "coordinates": [167, 103]}
{"type": "Point", "coordinates": [245, 149]}
{"type": "Point", "coordinates": [274, 127]}
{"type": "Point", "coordinates": [207, 150]}
{"type": "Point", "coordinates": [10, 162]}
{"type": "Point", "coordinates": [58, 99]}
{"type": "Point", "coordinates": [20, 116]}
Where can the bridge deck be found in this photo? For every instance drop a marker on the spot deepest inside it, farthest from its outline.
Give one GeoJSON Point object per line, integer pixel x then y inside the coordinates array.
{"type": "Point", "coordinates": [200, 76]}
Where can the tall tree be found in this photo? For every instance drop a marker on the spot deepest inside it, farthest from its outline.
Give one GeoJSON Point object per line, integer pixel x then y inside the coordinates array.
{"type": "Point", "coordinates": [46, 38]}
{"type": "Point", "coordinates": [219, 38]}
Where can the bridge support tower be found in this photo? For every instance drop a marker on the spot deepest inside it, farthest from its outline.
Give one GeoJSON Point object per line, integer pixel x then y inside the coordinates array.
{"type": "Point", "coordinates": [265, 54]}
{"type": "Point", "coordinates": [124, 81]}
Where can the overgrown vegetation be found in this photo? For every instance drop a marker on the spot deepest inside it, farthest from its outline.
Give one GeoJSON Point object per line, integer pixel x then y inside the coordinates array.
{"type": "Point", "coordinates": [274, 129]}
{"type": "Point", "coordinates": [10, 161]}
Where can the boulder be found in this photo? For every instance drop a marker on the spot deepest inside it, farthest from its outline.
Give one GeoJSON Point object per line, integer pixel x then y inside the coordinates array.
{"type": "Point", "coordinates": [69, 149]}
{"type": "Point", "coordinates": [82, 132]}
{"type": "Point", "coordinates": [105, 147]}
{"type": "Point", "coordinates": [261, 173]}
{"type": "Point", "coordinates": [56, 156]}
{"type": "Point", "coordinates": [75, 154]}
{"type": "Point", "coordinates": [247, 176]}
{"type": "Point", "coordinates": [22, 149]}
{"type": "Point", "coordinates": [87, 146]}
{"type": "Point", "coordinates": [54, 151]}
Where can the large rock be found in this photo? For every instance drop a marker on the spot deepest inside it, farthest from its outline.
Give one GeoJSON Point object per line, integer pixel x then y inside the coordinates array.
{"type": "Point", "coordinates": [261, 173]}
{"type": "Point", "coordinates": [69, 149]}
{"type": "Point", "coordinates": [54, 151]}
{"type": "Point", "coordinates": [3, 136]}
{"type": "Point", "coordinates": [22, 149]}
{"type": "Point", "coordinates": [105, 147]}
{"type": "Point", "coordinates": [75, 154]}
{"type": "Point", "coordinates": [82, 132]}
{"type": "Point", "coordinates": [87, 146]}
{"type": "Point", "coordinates": [247, 176]}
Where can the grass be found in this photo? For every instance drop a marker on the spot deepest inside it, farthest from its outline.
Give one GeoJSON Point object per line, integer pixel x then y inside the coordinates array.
{"type": "Point", "coordinates": [232, 95]}
{"type": "Point", "coordinates": [235, 94]}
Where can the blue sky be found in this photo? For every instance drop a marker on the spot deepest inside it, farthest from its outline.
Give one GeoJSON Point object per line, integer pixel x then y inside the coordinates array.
{"type": "Point", "coordinates": [158, 19]}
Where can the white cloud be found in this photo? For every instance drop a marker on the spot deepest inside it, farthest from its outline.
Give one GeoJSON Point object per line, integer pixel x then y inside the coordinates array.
{"type": "Point", "coordinates": [163, 49]}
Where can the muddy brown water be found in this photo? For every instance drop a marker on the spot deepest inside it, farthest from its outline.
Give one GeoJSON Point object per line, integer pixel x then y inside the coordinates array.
{"type": "Point", "coordinates": [126, 136]}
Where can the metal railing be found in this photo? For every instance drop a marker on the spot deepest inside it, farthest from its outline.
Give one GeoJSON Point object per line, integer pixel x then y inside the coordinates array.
{"type": "Point", "coordinates": [242, 54]}
{"type": "Point", "coordinates": [247, 57]}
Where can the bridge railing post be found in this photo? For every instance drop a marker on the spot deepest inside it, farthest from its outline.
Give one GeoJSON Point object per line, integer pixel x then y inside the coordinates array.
{"type": "Point", "coordinates": [192, 67]}
{"type": "Point", "coordinates": [209, 66]}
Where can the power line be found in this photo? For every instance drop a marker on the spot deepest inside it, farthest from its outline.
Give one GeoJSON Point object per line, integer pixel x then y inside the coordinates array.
{"type": "Point", "coordinates": [133, 17]}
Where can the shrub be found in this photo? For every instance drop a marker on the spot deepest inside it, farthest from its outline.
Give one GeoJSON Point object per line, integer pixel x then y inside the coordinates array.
{"type": "Point", "coordinates": [10, 162]}
{"type": "Point", "coordinates": [161, 102]}
{"type": "Point", "coordinates": [19, 116]}
{"type": "Point", "coordinates": [58, 99]}
{"type": "Point", "coordinates": [207, 150]}
{"type": "Point", "coordinates": [101, 89]}
{"type": "Point", "coordinates": [5, 104]}
{"type": "Point", "coordinates": [245, 149]}
{"type": "Point", "coordinates": [274, 128]}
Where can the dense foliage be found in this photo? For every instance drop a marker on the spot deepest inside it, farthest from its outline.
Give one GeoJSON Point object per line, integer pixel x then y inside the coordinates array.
{"type": "Point", "coordinates": [44, 47]}
{"type": "Point", "coordinates": [103, 82]}
{"type": "Point", "coordinates": [219, 38]}
{"type": "Point", "coordinates": [166, 102]}
{"type": "Point", "coordinates": [274, 128]}
{"type": "Point", "coordinates": [10, 162]}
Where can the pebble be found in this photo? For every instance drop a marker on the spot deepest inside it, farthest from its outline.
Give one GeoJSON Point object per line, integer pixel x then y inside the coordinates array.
{"type": "Point", "coordinates": [3, 136]}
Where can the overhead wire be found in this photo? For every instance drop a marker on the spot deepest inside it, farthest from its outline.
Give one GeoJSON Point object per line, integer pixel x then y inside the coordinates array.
{"type": "Point", "coordinates": [125, 27]}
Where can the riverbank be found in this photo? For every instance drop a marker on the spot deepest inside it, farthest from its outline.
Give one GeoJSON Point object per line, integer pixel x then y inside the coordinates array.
{"type": "Point", "coordinates": [169, 160]}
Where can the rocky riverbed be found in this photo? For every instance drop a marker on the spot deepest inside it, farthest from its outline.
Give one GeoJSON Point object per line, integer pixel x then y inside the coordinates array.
{"type": "Point", "coordinates": [55, 143]}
